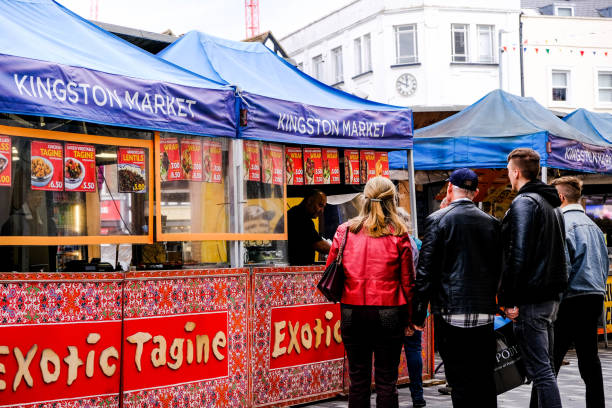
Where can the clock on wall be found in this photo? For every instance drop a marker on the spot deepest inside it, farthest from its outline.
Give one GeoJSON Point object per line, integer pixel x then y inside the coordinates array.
{"type": "Point", "coordinates": [406, 84]}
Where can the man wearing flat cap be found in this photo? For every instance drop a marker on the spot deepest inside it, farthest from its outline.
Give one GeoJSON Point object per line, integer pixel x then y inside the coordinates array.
{"type": "Point", "coordinates": [458, 273]}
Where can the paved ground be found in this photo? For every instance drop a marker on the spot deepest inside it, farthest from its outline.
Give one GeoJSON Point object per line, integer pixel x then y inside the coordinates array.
{"type": "Point", "coordinates": [570, 384]}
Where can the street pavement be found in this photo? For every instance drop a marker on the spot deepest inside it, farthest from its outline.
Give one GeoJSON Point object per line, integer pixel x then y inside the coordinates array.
{"type": "Point", "coordinates": [570, 385]}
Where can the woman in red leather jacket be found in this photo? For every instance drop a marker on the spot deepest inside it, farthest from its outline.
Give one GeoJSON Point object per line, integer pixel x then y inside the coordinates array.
{"type": "Point", "coordinates": [379, 276]}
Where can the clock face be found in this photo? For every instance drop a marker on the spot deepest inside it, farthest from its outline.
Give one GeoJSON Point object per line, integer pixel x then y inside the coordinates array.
{"type": "Point", "coordinates": [406, 84]}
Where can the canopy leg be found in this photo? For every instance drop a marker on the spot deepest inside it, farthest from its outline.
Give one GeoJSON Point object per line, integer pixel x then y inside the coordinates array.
{"type": "Point", "coordinates": [413, 209]}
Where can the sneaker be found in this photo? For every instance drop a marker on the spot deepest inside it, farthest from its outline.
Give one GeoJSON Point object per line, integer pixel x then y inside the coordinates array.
{"type": "Point", "coordinates": [445, 390]}
{"type": "Point", "coordinates": [419, 404]}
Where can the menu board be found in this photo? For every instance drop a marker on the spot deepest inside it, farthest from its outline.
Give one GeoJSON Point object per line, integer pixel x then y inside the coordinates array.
{"type": "Point", "coordinates": [351, 166]}
{"type": "Point", "coordinates": [331, 166]}
{"type": "Point", "coordinates": [294, 166]}
{"type": "Point", "coordinates": [313, 166]}
{"type": "Point", "coordinates": [132, 170]}
{"type": "Point", "coordinates": [212, 161]}
{"type": "Point", "coordinates": [80, 167]}
{"type": "Point", "coordinates": [382, 164]}
{"type": "Point", "coordinates": [170, 160]}
{"type": "Point", "coordinates": [272, 163]}
{"type": "Point", "coordinates": [5, 161]}
{"type": "Point", "coordinates": [47, 163]}
{"type": "Point", "coordinates": [191, 159]}
{"type": "Point", "coordinates": [368, 165]}
{"type": "Point", "coordinates": [252, 165]}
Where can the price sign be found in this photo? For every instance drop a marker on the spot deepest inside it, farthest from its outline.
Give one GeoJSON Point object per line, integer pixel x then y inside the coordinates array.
{"type": "Point", "coordinates": [313, 166]}
{"type": "Point", "coordinates": [272, 163]}
{"type": "Point", "coordinates": [212, 170]}
{"type": "Point", "coordinates": [191, 159]}
{"type": "Point", "coordinates": [368, 165]}
{"type": "Point", "coordinates": [382, 164]}
{"type": "Point", "coordinates": [351, 166]}
{"type": "Point", "coordinates": [46, 166]}
{"type": "Point", "coordinates": [252, 163]}
{"type": "Point", "coordinates": [6, 155]}
{"type": "Point", "coordinates": [170, 160]}
{"type": "Point", "coordinates": [294, 166]}
{"type": "Point", "coordinates": [80, 167]}
{"type": "Point", "coordinates": [132, 170]}
{"type": "Point", "coordinates": [331, 166]}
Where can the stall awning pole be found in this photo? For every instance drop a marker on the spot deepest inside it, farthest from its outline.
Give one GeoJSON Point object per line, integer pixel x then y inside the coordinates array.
{"type": "Point", "coordinates": [413, 210]}
{"type": "Point", "coordinates": [544, 175]}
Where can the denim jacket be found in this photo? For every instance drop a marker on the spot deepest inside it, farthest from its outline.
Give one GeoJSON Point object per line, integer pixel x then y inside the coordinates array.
{"type": "Point", "coordinates": [587, 252]}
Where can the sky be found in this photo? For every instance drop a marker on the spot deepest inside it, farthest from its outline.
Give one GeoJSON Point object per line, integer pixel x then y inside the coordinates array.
{"type": "Point", "coordinates": [222, 18]}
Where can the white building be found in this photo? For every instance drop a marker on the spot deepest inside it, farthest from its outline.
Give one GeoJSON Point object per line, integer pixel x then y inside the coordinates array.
{"type": "Point", "coordinates": [431, 55]}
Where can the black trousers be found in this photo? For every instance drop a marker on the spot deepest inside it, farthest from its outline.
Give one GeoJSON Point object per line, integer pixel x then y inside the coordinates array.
{"type": "Point", "coordinates": [469, 361]}
{"type": "Point", "coordinates": [577, 322]}
{"type": "Point", "coordinates": [373, 331]}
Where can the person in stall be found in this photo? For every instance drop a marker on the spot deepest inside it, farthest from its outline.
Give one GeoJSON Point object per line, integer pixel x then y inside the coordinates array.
{"type": "Point", "coordinates": [303, 238]}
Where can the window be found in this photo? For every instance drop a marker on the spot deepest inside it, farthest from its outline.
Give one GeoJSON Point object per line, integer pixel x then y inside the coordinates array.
{"type": "Point", "coordinates": [405, 44]}
{"type": "Point", "coordinates": [604, 82]}
{"type": "Point", "coordinates": [337, 62]}
{"type": "Point", "coordinates": [357, 49]}
{"type": "Point", "coordinates": [317, 67]}
{"type": "Point", "coordinates": [459, 33]}
{"type": "Point", "coordinates": [559, 85]}
{"type": "Point", "coordinates": [565, 11]}
{"type": "Point", "coordinates": [485, 44]}
{"type": "Point", "coordinates": [363, 55]}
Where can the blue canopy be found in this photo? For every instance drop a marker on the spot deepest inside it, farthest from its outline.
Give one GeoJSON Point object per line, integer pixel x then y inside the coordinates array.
{"type": "Point", "coordinates": [55, 63]}
{"type": "Point", "coordinates": [591, 123]}
{"type": "Point", "coordinates": [284, 104]}
{"type": "Point", "coordinates": [482, 135]}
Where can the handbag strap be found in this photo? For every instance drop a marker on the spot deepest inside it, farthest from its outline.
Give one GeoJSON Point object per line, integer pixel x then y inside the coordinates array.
{"type": "Point", "coordinates": [341, 250]}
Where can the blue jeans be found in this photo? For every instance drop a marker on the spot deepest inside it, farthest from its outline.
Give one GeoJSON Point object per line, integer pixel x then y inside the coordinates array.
{"type": "Point", "coordinates": [534, 332]}
{"type": "Point", "coordinates": [414, 361]}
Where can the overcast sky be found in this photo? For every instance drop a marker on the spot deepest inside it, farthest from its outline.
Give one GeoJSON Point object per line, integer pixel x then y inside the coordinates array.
{"type": "Point", "coordinates": [223, 18]}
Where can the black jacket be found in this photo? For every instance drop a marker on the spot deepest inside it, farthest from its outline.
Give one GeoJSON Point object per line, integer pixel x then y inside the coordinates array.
{"type": "Point", "coordinates": [459, 263]}
{"type": "Point", "coordinates": [533, 233]}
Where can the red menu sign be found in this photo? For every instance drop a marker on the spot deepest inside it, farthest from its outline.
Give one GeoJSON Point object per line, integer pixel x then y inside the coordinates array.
{"type": "Point", "coordinates": [351, 166]}
{"type": "Point", "coordinates": [47, 162]}
{"type": "Point", "coordinates": [272, 163]}
{"type": "Point", "coordinates": [170, 160]}
{"type": "Point", "coordinates": [5, 161]}
{"type": "Point", "coordinates": [313, 166]}
{"type": "Point", "coordinates": [293, 166]}
{"type": "Point", "coordinates": [252, 165]}
{"type": "Point", "coordinates": [368, 163]}
{"type": "Point", "coordinates": [80, 167]}
{"type": "Point", "coordinates": [132, 170]}
{"type": "Point", "coordinates": [382, 164]}
{"type": "Point", "coordinates": [331, 166]}
{"type": "Point", "coordinates": [191, 159]}
{"type": "Point", "coordinates": [212, 161]}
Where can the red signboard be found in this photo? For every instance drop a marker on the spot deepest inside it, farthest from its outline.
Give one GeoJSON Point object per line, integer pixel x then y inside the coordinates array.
{"type": "Point", "coordinates": [170, 160]}
{"type": "Point", "coordinates": [80, 167]}
{"type": "Point", "coordinates": [272, 163]}
{"type": "Point", "coordinates": [47, 162]}
{"type": "Point", "coordinates": [351, 166]}
{"type": "Point", "coordinates": [331, 166]}
{"type": "Point", "coordinates": [132, 170]}
{"type": "Point", "coordinates": [59, 361]}
{"type": "Point", "coordinates": [294, 166]}
{"type": "Point", "coordinates": [109, 210]}
{"type": "Point", "coordinates": [382, 164]}
{"type": "Point", "coordinates": [252, 162]}
{"type": "Point", "coordinates": [212, 162]}
{"type": "Point", "coordinates": [191, 159]}
{"type": "Point", "coordinates": [305, 334]}
{"type": "Point", "coordinates": [368, 165]}
{"type": "Point", "coordinates": [313, 166]}
{"type": "Point", "coordinates": [178, 349]}
{"type": "Point", "coordinates": [5, 161]}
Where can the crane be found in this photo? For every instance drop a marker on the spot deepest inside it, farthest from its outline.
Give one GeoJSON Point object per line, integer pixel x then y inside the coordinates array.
{"type": "Point", "coordinates": [251, 16]}
{"type": "Point", "coordinates": [93, 9]}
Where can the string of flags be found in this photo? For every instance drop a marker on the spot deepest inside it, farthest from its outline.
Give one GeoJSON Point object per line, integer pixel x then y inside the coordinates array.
{"type": "Point", "coordinates": [540, 50]}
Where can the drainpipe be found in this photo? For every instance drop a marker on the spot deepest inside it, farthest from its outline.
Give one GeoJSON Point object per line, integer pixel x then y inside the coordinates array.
{"type": "Point", "coordinates": [521, 53]}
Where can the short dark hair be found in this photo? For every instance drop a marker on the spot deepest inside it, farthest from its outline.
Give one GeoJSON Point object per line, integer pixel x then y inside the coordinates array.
{"type": "Point", "coordinates": [570, 186]}
{"type": "Point", "coordinates": [527, 161]}
{"type": "Point", "coordinates": [311, 193]}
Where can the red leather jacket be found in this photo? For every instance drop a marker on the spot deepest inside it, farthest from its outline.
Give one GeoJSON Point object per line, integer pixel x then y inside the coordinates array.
{"type": "Point", "coordinates": [378, 271]}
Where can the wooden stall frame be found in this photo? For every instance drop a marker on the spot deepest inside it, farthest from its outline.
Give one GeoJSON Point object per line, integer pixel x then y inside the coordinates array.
{"type": "Point", "coordinates": [86, 239]}
{"type": "Point", "coordinates": [206, 236]}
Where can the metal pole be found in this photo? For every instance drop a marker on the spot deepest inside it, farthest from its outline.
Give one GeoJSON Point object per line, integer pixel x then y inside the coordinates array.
{"type": "Point", "coordinates": [413, 209]}
{"type": "Point", "coordinates": [521, 53]}
{"type": "Point", "coordinates": [545, 175]}
{"type": "Point", "coordinates": [499, 61]}
{"type": "Point", "coordinates": [236, 203]}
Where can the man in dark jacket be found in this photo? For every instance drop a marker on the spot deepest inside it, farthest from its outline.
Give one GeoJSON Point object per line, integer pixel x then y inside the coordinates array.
{"type": "Point", "coordinates": [535, 275]}
{"type": "Point", "coordinates": [458, 273]}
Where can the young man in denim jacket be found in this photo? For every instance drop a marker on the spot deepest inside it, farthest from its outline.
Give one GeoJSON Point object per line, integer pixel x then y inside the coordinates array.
{"type": "Point", "coordinates": [582, 302]}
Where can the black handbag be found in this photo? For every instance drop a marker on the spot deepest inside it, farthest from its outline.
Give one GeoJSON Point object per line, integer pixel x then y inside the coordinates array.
{"type": "Point", "coordinates": [331, 284]}
{"type": "Point", "coordinates": [509, 370]}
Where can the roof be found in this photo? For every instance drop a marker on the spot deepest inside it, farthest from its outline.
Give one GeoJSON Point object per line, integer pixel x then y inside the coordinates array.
{"type": "Point", "coordinates": [268, 36]}
{"type": "Point", "coordinates": [582, 8]}
{"type": "Point", "coordinates": [147, 40]}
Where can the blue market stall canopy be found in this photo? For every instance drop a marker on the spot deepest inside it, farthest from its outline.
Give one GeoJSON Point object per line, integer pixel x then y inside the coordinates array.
{"type": "Point", "coordinates": [591, 123]}
{"type": "Point", "coordinates": [284, 104]}
{"type": "Point", "coordinates": [54, 63]}
{"type": "Point", "coordinates": [482, 135]}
